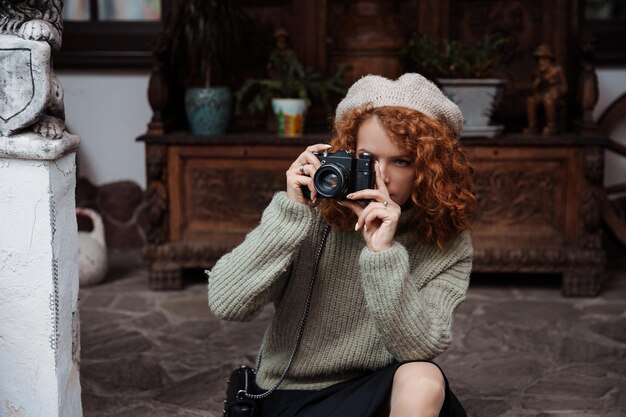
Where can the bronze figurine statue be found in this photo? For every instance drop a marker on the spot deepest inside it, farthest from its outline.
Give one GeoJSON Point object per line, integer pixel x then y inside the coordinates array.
{"type": "Point", "coordinates": [548, 90]}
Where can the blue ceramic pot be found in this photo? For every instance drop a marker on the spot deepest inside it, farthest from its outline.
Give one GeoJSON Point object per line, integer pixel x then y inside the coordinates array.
{"type": "Point", "coordinates": [208, 109]}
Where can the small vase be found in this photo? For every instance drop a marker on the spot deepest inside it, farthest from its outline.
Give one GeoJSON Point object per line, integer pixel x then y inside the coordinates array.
{"type": "Point", "coordinates": [208, 110]}
{"type": "Point", "coordinates": [290, 113]}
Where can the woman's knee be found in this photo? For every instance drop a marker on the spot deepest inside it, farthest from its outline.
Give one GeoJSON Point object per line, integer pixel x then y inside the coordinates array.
{"type": "Point", "coordinates": [420, 377]}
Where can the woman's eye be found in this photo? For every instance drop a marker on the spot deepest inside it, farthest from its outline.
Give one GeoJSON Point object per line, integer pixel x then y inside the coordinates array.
{"type": "Point", "coordinates": [402, 162]}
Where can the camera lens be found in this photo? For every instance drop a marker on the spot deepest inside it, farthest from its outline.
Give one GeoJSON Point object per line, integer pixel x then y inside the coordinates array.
{"type": "Point", "coordinates": [331, 181]}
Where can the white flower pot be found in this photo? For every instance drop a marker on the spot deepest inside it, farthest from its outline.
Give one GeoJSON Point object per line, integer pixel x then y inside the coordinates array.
{"type": "Point", "coordinates": [477, 99]}
{"type": "Point", "coordinates": [290, 113]}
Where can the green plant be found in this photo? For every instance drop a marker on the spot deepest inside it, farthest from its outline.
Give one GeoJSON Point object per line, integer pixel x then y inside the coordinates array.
{"type": "Point", "coordinates": [206, 38]}
{"type": "Point", "coordinates": [452, 59]}
{"type": "Point", "coordinates": [292, 80]}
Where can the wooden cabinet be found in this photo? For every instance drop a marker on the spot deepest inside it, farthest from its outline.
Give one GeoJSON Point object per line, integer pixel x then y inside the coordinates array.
{"type": "Point", "coordinates": [537, 211]}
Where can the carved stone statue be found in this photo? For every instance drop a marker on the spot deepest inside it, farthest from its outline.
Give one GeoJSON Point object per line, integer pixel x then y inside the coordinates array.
{"type": "Point", "coordinates": [548, 91]}
{"type": "Point", "coordinates": [28, 30]}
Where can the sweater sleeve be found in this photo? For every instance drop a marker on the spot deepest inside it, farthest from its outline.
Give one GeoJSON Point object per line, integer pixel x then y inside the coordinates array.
{"type": "Point", "coordinates": [412, 299]}
{"type": "Point", "coordinates": [243, 281]}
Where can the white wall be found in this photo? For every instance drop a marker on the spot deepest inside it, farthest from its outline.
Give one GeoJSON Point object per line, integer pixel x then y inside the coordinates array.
{"type": "Point", "coordinates": [108, 110]}
{"type": "Point", "coordinates": [612, 84]}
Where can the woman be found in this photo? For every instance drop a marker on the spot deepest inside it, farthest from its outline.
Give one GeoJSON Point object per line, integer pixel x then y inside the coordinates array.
{"type": "Point", "coordinates": [390, 276]}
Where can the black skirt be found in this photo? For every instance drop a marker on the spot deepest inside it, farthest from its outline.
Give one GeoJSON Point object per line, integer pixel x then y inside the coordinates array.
{"type": "Point", "coordinates": [365, 396]}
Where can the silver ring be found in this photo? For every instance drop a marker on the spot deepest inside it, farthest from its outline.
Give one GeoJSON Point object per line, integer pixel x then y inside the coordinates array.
{"type": "Point", "coordinates": [301, 168]}
{"type": "Point", "coordinates": [385, 203]}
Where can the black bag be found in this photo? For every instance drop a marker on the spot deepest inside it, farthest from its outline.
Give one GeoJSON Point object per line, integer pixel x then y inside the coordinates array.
{"type": "Point", "coordinates": [236, 403]}
{"type": "Point", "coordinates": [240, 399]}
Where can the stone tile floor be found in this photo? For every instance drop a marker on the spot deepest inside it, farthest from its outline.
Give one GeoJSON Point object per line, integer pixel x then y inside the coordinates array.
{"type": "Point", "coordinates": [520, 349]}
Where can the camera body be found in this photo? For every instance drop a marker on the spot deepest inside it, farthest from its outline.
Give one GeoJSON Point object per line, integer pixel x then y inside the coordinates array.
{"type": "Point", "coordinates": [341, 174]}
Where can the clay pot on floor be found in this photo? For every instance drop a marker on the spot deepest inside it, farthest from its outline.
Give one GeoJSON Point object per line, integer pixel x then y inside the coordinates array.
{"type": "Point", "coordinates": [92, 251]}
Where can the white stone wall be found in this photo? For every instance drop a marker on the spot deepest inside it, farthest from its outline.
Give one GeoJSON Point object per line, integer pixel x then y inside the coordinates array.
{"type": "Point", "coordinates": [108, 110]}
{"type": "Point", "coordinates": [38, 288]}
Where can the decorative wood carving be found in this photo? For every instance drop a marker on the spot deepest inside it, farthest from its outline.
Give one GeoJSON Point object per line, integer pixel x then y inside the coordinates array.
{"type": "Point", "coordinates": [233, 194]}
{"type": "Point", "coordinates": [512, 196]}
{"type": "Point", "coordinates": [158, 87]}
{"type": "Point", "coordinates": [187, 254]}
{"type": "Point", "coordinates": [507, 259]}
{"type": "Point", "coordinates": [434, 18]}
{"type": "Point", "coordinates": [368, 39]}
{"type": "Point", "coordinates": [156, 194]}
{"type": "Point", "coordinates": [585, 282]}
{"type": "Point", "coordinates": [591, 210]}
{"type": "Point", "coordinates": [537, 209]}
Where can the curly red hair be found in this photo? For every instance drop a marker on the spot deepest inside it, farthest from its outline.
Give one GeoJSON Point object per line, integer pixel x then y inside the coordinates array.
{"type": "Point", "coordinates": [443, 192]}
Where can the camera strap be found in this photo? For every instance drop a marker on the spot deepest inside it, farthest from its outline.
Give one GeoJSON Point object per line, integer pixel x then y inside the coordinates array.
{"type": "Point", "coordinates": [305, 316]}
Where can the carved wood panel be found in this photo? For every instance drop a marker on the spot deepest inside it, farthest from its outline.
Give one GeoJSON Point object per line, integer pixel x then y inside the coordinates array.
{"type": "Point", "coordinates": [231, 193]}
{"type": "Point", "coordinates": [523, 195]}
{"type": "Point", "coordinates": [221, 192]}
{"type": "Point", "coordinates": [537, 209]}
{"type": "Point", "coordinates": [519, 195]}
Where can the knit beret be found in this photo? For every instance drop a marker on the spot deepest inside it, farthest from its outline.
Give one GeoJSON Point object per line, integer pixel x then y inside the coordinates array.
{"type": "Point", "coordinates": [411, 90]}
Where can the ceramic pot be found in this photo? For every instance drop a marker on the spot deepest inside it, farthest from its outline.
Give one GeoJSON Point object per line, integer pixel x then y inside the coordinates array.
{"type": "Point", "coordinates": [92, 252]}
{"type": "Point", "coordinates": [290, 113]}
{"type": "Point", "coordinates": [477, 99]}
{"type": "Point", "coordinates": [208, 110]}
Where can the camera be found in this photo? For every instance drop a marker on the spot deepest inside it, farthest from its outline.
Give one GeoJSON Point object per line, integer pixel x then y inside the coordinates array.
{"type": "Point", "coordinates": [342, 174]}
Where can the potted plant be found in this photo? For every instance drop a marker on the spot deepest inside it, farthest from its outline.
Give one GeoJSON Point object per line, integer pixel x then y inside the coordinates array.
{"type": "Point", "coordinates": [470, 74]}
{"type": "Point", "coordinates": [207, 36]}
{"type": "Point", "coordinates": [290, 89]}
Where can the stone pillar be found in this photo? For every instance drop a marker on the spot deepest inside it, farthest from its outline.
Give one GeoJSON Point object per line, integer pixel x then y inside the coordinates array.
{"type": "Point", "coordinates": [39, 332]}
{"type": "Point", "coordinates": [38, 279]}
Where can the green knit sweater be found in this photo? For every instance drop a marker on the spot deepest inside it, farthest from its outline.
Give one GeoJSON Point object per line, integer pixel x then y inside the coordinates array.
{"type": "Point", "coordinates": [368, 309]}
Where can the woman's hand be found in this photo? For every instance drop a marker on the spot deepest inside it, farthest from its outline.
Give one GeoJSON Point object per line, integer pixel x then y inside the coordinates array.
{"type": "Point", "coordinates": [379, 219]}
{"type": "Point", "coordinates": [301, 172]}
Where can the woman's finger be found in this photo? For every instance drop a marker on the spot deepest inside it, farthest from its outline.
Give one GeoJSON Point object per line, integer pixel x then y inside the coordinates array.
{"type": "Point", "coordinates": [366, 212]}
{"type": "Point", "coordinates": [318, 147]}
{"type": "Point", "coordinates": [361, 220]}
{"type": "Point", "coordinates": [382, 210]}
{"type": "Point", "coordinates": [377, 213]}
{"type": "Point", "coordinates": [305, 169]}
{"type": "Point", "coordinates": [355, 207]}
{"type": "Point", "coordinates": [380, 181]}
{"type": "Point", "coordinates": [371, 224]}
{"type": "Point", "coordinates": [299, 181]}
{"type": "Point", "coordinates": [309, 184]}
{"type": "Point", "coordinates": [369, 194]}
{"type": "Point", "coordinates": [307, 156]}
